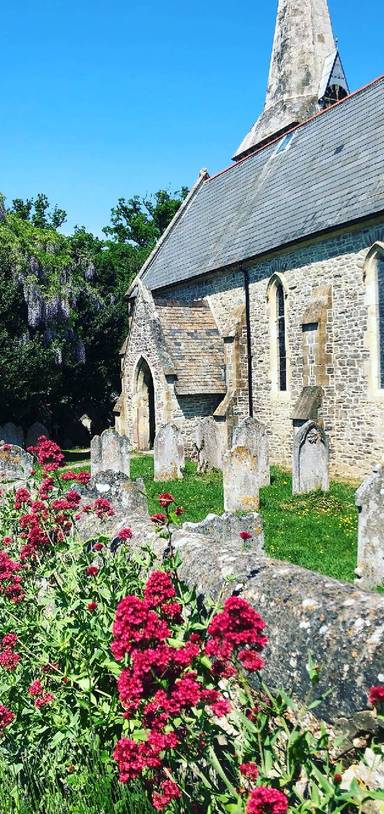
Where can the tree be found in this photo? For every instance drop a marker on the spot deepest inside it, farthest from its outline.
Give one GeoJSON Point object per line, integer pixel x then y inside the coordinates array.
{"type": "Point", "coordinates": [37, 211]}
{"type": "Point", "coordinates": [141, 221]}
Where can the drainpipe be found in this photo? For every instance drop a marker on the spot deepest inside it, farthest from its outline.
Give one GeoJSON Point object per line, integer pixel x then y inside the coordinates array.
{"type": "Point", "coordinates": [249, 339]}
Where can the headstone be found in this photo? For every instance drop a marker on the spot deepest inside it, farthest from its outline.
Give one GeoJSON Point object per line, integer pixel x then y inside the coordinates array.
{"type": "Point", "coordinates": [12, 434]}
{"type": "Point", "coordinates": [226, 528]}
{"type": "Point", "coordinates": [370, 549]}
{"type": "Point", "coordinates": [128, 499]}
{"type": "Point", "coordinates": [110, 452]}
{"type": "Point", "coordinates": [15, 463]}
{"type": "Point", "coordinates": [35, 431]}
{"type": "Point", "coordinates": [208, 445]}
{"type": "Point", "coordinates": [241, 480]}
{"type": "Point", "coordinates": [310, 459]}
{"type": "Point", "coordinates": [169, 455]}
{"type": "Point", "coordinates": [252, 434]}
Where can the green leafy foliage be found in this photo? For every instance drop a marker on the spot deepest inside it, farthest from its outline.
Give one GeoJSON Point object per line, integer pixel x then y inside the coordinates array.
{"type": "Point", "coordinates": [63, 314]}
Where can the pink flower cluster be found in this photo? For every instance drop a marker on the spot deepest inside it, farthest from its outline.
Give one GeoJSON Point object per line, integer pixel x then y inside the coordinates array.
{"type": "Point", "coordinates": [162, 682]}
{"type": "Point", "coordinates": [9, 659]}
{"type": "Point", "coordinates": [79, 477]}
{"type": "Point", "coordinates": [376, 696]}
{"type": "Point", "coordinates": [10, 579]}
{"type": "Point", "coordinates": [265, 800]}
{"type": "Point", "coordinates": [42, 698]}
{"type": "Point", "coordinates": [6, 717]}
{"type": "Point", "coordinates": [48, 454]}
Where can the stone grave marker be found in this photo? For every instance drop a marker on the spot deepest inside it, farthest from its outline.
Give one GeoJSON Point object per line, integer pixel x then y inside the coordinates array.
{"type": "Point", "coordinates": [370, 549]}
{"type": "Point", "coordinates": [15, 463]}
{"type": "Point", "coordinates": [11, 434]}
{"type": "Point", "coordinates": [226, 528]}
{"type": "Point", "coordinates": [169, 454]}
{"type": "Point", "coordinates": [310, 470]}
{"type": "Point", "coordinates": [110, 452]}
{"type": "Point", "coordinates": [208, 445]}
{"type": "Point", "coordinates": [252, 434]}
{"type": "Point", "coordinates": [35, 431]}
{"type": "Point", "coordinates": [241, 480]}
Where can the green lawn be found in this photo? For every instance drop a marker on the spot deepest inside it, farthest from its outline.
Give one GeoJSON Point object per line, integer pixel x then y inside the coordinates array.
{"type": "Point", "coordinates": [316, 531]}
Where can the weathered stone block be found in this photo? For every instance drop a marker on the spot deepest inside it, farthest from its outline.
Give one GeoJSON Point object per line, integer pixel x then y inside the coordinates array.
{"type": "Point", "coordinates": [15, 463]}
{"type": "Point", "coordinates": [226, 528]}
{"type": "Point", "coordinates": [241, 480]}
{"type": "Point", "coordinates": [12, 434]}
{"type": "Point", "coordinates": [169, 455]}
{"type": "Point", "coordinates": [208, 444]}
{"type": "Point", "coordinates": [252, 434]}
{"type": "Point", "coordinates": [110, 452]}
{"type": "Point", "coordinates": [129, 502]}
{"type": "Point", "coordinates": [310, 469]}
{"type": "Point", "coordinates": [370, 552]}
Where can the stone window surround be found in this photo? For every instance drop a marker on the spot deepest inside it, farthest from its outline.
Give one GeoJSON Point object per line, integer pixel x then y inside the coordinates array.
{"type": "Point", "coordinates": [372, 334]}
{"type": "Point", "coordinates": [277, 280]}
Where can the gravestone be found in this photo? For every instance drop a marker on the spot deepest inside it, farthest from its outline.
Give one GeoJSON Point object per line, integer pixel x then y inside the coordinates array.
{"type": "Point", "coordinates": [370, 549]}
{"type": "Point", "coordinates": [241, 480]}
{"type": "Point", "coordinates": [169, 455]}
{"type": "Point", "coordinates": [110, 452]}
{"type": "Point", "coordinates": [226, 528]}
{"type": "Point", "coordinates": [15, 463]}
{"type": "Point", "coordinates": [208, 445]}
{"type": "Point", "coordinates": [310, 470]}
{"type": "Point", "coordinates": [252, 434]}
{"type": "Point", "coordinates": [35, 431]}
{"type": "Point", "coordinates": [12, 434]}
{"type": "Point", "coordinates": [128, 499]}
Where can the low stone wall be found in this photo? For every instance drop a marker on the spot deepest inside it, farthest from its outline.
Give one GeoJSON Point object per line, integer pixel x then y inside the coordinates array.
{"type": "Point", "coordinates": [306, 614]}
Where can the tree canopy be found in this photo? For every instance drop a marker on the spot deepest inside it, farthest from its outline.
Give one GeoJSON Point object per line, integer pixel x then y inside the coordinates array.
{"type": "Point", "coordinates": [63, 315]}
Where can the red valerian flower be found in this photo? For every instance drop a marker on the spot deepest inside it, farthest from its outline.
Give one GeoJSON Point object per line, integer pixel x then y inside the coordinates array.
{"type": "Point", "coordinates": [125, 534]}
{"type": "Point", "coordinates": [7, 540]}
{"type": "Point", "coordinates": [179, 510]}
{"type": "Point", "coordinates": [6, 717]}
{"type": "Point", "coordinates": [159, 518]}
{"type": "Point", "coordinates": [159, 588]}
{"type": "Point", "coordinates": [250, 660]}
{"type": "Point", "coordinates": [9, 640]}
{"type": "Point", "coordinates": [9, 659]}
{"type": "Point", "coordinates": [102, 507]}
{"type": "Point", "coordinates": [98, 547]}
{"type": "Point", "coordinates": [245, 535]}
{"type": "Point", "coordinates": [135, 622]}
{"type": "Point", "coordinates": [376, 695]}
{"type": "Point", "coordinates": [249, 770]}
{"type": "Point", "coordinates": [130, 758]}
{"type": "Point", "coordinates": [92, 606]}
{"type": "Point", "coordinates": [22, 497]}
{"type": "Point", "coordinates": [6, 447]}
{"type": "Point", "coordinates": [44, 699]}
{"type": "Point", "coordinates": [92, 571]}
{"type": "Point", "coordinates": [36, 688]}
{"type": "Point", "coordinates": [48, 454]}
{"type": "Point", "coordinates": [169, 791]}
{"type": "Point", "coordinates": [79, 477]}
{"type": "Point", "coordinates": [264, 800]}
{"type": "Point", "coordinates": [165, 499]}
{"type": "Point", "coordinates": [337, 778]}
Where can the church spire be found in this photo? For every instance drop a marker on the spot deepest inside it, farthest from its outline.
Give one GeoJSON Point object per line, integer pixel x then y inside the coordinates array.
{"type": "Point", "coordinates": [305, 74]}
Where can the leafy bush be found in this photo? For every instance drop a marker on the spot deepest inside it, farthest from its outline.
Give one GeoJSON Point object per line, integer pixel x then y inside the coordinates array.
{"type": "Point", "coordinates": [106, 664]}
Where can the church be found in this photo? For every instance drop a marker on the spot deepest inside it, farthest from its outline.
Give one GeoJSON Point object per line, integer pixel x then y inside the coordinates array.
{"type": "Point", "coordinates": [265, 295]}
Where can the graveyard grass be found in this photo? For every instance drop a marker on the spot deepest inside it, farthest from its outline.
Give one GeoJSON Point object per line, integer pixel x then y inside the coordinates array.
{"type": "Point", "coordinates": [317, 531]}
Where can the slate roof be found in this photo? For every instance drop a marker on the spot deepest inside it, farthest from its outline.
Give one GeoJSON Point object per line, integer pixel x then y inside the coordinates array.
{"type": "Point", "coordinates": [331, 174]}
{"type": "Point", "coordinates": [194, 345]}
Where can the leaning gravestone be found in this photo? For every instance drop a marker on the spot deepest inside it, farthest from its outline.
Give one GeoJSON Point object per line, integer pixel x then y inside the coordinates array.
{"type": "Point", "coordinates": [208, 445]}
{"type": "Point", "coordinates": [370, 550]}
{"type": "Point", "coordinates": [241, 480]}
{"type": "Point", "coordinates": [252, 434]}
{"type": "Point", "coordinates": [15, 464]}
{"type": "Point", "coordinates": [310, 459]}
{"type": "Point", "coordinates": [169, 455]}
{"type": "Point", "coordinates": [11, 434]}
{"type": "Point", "coordinates": [110, 452]}
{"type": "Point", "coordinates": [227, 528]}
{"type": "Point", "coordinates": [34, 433]}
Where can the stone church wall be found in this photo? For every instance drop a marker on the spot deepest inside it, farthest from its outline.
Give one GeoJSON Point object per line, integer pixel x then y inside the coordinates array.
{"type": "Point", "coordinates": [353, 415]}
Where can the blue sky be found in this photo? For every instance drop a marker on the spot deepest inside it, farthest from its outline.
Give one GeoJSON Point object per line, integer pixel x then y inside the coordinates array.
{"type": "Point", "coordinates": [108, 99]}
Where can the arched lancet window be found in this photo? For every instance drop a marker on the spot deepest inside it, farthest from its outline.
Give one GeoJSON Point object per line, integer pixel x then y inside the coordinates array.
{"type": "Point", "coordinates": [374, 279]}
{"type": "Point", "coordinates": [277, 311]}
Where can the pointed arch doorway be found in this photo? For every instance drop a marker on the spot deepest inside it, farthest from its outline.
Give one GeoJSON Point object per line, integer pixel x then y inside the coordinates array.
{"type": "Point", "coordinates": [145, 407]}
